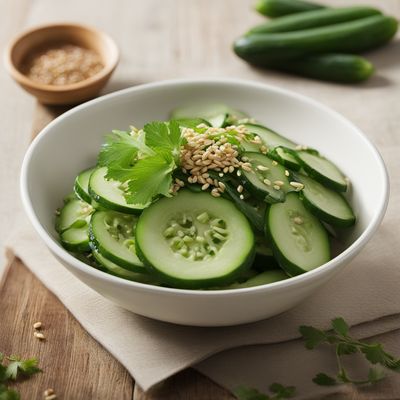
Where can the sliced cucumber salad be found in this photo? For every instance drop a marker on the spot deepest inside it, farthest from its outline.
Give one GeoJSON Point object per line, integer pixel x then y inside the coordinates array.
{"type": "Point", "coordinates": [210, 199]}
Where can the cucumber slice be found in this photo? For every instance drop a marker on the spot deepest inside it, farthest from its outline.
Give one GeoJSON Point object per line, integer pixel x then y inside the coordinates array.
{"type": "Point", "coordinates": [108, 193]}
{"type": "Point", "coordinates": [112, 234]}
{"type": "Point", "coordinates": [217, 115]}
{"type": "Point", "coordinates": [270, 138]}
{"type": "Point", "coordinates": [76, 239]}
{"type": "Point", "coordinates": [75, 214]}
{"type": "Point", "coordinates": [267, 180]}
{"type": "Point", "coordinates": [264, 278]}
{"type": "Point", "coordinates": [116, 270]}
{"type": "Point", "coordinates": [285, 157]}
{"type": "Point", "coordinates": [192, 122]}
{"type": "Point", "coordinates": [322, 170]}
{"type": "Point", "coordinates": [326, 204]}
{"type": "Point", "coordinates": [299, 241]}
{"type": "Point", "coordinates": [195, 240]}
{"type": "Point", "coordinates": [81, 186]}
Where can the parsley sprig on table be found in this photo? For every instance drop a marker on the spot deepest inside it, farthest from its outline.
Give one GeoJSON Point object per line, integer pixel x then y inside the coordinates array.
{"type": "Point", "coordinates": [143, 160]}
{"type": "Point", "coordinates": [338, 337]}
{"type": "Point", "coordinates": [344, 344]}
{"type": "Point", "coordinates": [13, 368]}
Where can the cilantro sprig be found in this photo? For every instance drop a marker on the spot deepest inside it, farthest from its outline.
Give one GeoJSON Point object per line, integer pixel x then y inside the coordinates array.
{"type": "Point", "coordinates": [143, 160]}
{"type": "Point", "coordinates": [13, 368]}
{"type": "Point", "coordinates": [344, 345]}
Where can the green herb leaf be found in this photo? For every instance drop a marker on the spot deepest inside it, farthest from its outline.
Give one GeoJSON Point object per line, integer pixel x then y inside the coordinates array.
{"type": "Point", "coordinates": [246, 393]}
{"type": "Point", "coordinates": [312, 336]}
{"type": "Point", "coordinates": [376, 375]}
{"type": "Point", "coordinates": [324, 380]}
{"type": "Point", "coordinates": [374, 353]}
{"type": "Point", "coordinates": [150, 177]}
{"type": "Point", "coordinates": [164, 136]}
{"type": "Point", "coordinates": [340, 326]}
{"type": "Point", "coordinates": [24, 367]}
{"type": "Point", "coordinates": [282, 392]}
{"type": "Point", "coordinates": [8, 394]}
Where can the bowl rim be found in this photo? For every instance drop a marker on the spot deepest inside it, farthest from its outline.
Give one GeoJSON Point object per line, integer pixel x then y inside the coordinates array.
{"type": "Point", "coordinates": [310, 276]}
{"type": "Point", "coordinates": [109, 65]}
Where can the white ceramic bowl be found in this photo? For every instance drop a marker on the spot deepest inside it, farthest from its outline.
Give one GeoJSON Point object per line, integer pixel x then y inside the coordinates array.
{"type": "Point", "coordinates": [71, 142]}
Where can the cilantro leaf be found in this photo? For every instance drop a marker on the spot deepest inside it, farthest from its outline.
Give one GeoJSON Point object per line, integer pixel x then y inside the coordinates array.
{"type": "Point", "coordinates": [246, 393]}
{"type": "Point", "coordinates": [120, 151]}
{"type": "Point", "coordinates": [374, 353]}
{"type": "Point", "coordinates": [17, 366]}
{"type": "Point", "coordinates": [282, 392]}
{"type": "Point", "coordinates": [340, 326]}
{"type": "Point", "coordinates": [324, 380]}
{"type": "Point", "coordinates": [8, 394]}
{"type": "Point", "coordinates": [376, 374]}
{"type": "Point", "coordinates": [150, 177]}
{"type": "Point", "coordinates": [312, 336]}
{"type": "Point", "coordinates": [164, 136]}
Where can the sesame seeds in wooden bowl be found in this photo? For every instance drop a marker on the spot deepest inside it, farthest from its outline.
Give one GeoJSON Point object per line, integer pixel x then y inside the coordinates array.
{"type": "Point", "coordinates": [62, 63]}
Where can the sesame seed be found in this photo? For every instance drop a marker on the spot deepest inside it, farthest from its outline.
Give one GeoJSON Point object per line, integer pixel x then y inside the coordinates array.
{"type": "Point", "coordinates": [279, 183]}
{"type": "Point", "coordinates": [267, 182]}
{"type": "Point", "coordinates": [221, 185]}
{"type": "Point", "coordinates": [276, 187]}
{"type": "Point", "coordinates": [205, 186]}
{"type": "Point", "coordinates": [262, 168]}
{"type": "Point", "coordinates": [241, 197]}
{"type": "Point", "coordinates": [274, 163]}
{"type": "Point", "coordinates": [226, 170]}
{"type": "Point", "coordinates": [298, 220]}
{"type": "Point", "coordinates": [238, 172]}
{"type": "Point", "coordinates": [264, 149]}
{"type": "Point", "coordinates": [297, 185]}
{"type": "Point", "coordinates": [39, 335]}
{"type": "Point", "coordinates": [215, 193]}
{"type": "Point", "coordinates": [231, 168]}
{"type": "Point", "coordinates": [245, 159]}
{"type": "Point", "coordinates": [37, 325]}
{"type": "Point", "coordinates": [48, 392]}
{"type": "Point", "coordinates": [240, 188]}
{"type": "Point", "coordinates": [221, 174]}
{"type": "Point", "coordinates": [287, 172]}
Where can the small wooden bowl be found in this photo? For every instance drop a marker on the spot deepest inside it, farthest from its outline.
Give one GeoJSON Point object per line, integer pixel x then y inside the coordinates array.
{"type": "Point", "coordinates": [26, 43]}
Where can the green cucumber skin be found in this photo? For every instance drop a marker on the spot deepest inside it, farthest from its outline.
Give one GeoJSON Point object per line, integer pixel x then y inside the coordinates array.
{"type": "Point", "coordinates": [79, 191]}
{"type": "Point", "coordinates": [108, 205]}
{"type": "Point", "coordinates": [286, 163]}
{"type": "Point", "coordinates": [81, 247]}
{"type": "Point", "coordinates": [342, 68]}
{"type": "Point", "coordinates": [364, 34]}
{"type": "Point", "coordinates": [323, 216]}
{"type": "Point", "coordinates": [198, 284]}
{"type": "Point", "coordinates": [94, 244]}
{"type": "Point", "coordinates": [322, 179]}
{"type": "Point", "coordinates": [278, 8]}
{"type": "Point", "coordinates": [314, 19]}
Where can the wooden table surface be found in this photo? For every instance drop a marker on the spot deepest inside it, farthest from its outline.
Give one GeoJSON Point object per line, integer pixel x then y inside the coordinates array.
{"type": "Point", "coordinates": [159, 39]}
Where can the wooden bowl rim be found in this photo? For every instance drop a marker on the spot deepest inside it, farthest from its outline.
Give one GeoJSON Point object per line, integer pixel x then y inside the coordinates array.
{"type": "Point", "coordinates": [109, 64]}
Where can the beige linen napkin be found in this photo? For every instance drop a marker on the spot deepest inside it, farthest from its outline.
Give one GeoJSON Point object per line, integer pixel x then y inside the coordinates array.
{"type": "Point", "coordinates": [366, 294]}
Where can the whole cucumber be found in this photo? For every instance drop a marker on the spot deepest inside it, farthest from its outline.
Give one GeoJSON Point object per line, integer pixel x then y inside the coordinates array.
{"type": "Point", "coordinates": [314, 19]}
{"type": "Point", "coordinates": [344, 68]}
{"type": "Point", "coordinates": [262, 49]}
{"type": "Point", "coordinates": [277, 8]}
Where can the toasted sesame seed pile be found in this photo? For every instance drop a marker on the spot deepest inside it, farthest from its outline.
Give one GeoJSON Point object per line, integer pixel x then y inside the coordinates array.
{"type": "Point", "coordinates": [212, 151]}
